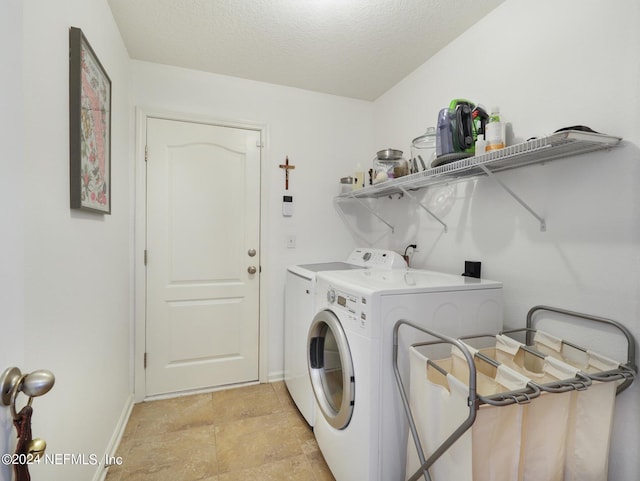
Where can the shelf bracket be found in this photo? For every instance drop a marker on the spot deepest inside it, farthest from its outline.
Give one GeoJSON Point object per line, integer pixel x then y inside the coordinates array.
{"type": "Point", "coordinates": [374, 213]}
{"type": "Point", "coordinates": [413, 197]}
{"type": "Point", "coordinates": [371, 211]}
{"type": "Point", "coordinates": [543, 224]}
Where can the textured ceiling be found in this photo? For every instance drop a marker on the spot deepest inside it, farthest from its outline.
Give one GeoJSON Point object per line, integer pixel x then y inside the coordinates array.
{"type": "Point", "coordinates": [353, 48]}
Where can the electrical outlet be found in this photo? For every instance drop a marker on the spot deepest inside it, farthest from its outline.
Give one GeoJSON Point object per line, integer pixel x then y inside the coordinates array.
{"type": "Point", "coordinates": [291, 241]}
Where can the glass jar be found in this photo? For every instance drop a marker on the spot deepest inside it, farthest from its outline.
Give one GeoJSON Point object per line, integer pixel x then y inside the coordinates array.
{"type": "Point", "coordinates": [389, 164]}
{"type": "Point", "coordinates": [423, 149]}
{"type": "Point", "coordinates": [389, 169]}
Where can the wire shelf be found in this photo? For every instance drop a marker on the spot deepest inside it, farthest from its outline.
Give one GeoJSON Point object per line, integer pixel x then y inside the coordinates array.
{"type": "Point", "coordinates": [556, 146]}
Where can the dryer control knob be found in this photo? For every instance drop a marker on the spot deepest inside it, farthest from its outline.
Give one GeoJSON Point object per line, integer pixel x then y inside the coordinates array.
{"type": "Point", "coordinates": [331, 296]}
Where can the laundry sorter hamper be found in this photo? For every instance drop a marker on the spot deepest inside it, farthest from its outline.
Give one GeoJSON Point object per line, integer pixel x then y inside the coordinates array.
{"type": "Point", "coordinates": [500, 410]}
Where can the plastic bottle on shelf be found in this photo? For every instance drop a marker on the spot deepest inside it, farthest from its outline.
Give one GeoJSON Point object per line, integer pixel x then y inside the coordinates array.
{"type": "Point", "coordinates": [495, 131]}
{"type": "Point", "coordinates": [481, 145]}
{"type": "Point", "coordinates": [358, 178]}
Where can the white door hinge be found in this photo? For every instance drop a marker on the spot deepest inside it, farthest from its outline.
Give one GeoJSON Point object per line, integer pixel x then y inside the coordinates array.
{"type": "Point", "coordinates": [146, 153]}
{"type": "Point", "coordinates": [259, 144]}
{"type": "Point", "coordinates": [145, 257]}
{"type": "Point", "coordinates": [145, 360]}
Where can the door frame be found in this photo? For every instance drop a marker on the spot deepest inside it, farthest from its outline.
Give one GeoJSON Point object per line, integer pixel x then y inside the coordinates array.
{"type": "Point", "coordinates": [140, 242]}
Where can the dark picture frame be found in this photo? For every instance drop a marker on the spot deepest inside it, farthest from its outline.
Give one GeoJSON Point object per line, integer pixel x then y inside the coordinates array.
{"type": "Point", "coordinates": [89, 127]}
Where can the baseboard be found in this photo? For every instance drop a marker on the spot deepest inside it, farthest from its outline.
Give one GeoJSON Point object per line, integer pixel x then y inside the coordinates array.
{"type": "Point", "coordinates": [114, 442]}
{"type": "Point", "coordinates": [273, 377]}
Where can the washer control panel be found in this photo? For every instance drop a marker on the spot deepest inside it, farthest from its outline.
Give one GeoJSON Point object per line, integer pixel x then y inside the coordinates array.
{"type": "Point", "coordinates": [352, 306]}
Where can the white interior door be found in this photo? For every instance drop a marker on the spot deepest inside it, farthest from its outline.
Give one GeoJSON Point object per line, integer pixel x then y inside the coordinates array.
{"type": "Point", "coordinates": [203, 257]}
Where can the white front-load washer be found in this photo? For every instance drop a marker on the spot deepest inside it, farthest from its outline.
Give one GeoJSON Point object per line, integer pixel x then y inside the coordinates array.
{"type": "Point", "coordinates": [299, 311]}
{"type": "Point", "coordinates": [360, 426]}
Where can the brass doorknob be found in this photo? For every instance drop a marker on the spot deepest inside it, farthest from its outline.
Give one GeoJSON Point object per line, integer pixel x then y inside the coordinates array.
{"type": "Point", "coordinates": [252, 270]}
{"type": "Point", "coordinates": [36, 448]}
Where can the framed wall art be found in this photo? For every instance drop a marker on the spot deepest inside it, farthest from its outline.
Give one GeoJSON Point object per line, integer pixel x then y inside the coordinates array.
{"type": "Point", "coordinates": [89, 127]}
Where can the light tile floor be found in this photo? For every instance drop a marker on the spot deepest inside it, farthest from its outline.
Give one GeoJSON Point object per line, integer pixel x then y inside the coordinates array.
{"type": "Point", "coordinates": [253, 432]}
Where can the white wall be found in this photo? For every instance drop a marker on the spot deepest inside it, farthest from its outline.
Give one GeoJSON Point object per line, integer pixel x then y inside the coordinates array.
{"type": "Point", "coordinates": [76, 266]}
{"type": "Point", "coordinates": [561, 63]}
{"type": "Point", "coordinates": [323, 135]}
{"type": "Point", "coordinates": [12, 181]}
{"type": "Point", "coordinates": [548, 66]}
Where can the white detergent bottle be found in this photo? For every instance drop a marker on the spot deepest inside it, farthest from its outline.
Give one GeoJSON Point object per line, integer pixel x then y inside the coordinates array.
{"type": "Point", "coordinates": [481, 145]}
{"type": "Point", "coordinates": [358, 178]}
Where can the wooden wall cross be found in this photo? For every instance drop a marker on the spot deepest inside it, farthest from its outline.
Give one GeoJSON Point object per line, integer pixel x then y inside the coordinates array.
{"type": "Point", "coordinates": [287, 167]}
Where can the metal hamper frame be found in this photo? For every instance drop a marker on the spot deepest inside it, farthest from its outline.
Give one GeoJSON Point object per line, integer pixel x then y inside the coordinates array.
{"type": "Point", "coordinates": [626, 372]}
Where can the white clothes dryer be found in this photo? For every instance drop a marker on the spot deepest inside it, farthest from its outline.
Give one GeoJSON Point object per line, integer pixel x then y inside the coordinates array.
{"type": "Point", "coordinates": [360, 426]}
{"type": "Point", "coordinates": [299, 312]}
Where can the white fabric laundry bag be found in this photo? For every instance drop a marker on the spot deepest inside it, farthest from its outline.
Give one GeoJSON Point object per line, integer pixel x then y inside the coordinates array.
{"type": "Point", "coordinates": [490, 450]}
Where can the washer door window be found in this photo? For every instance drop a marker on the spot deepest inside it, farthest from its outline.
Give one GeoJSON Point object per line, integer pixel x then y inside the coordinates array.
{"type": "Point", "coordinates": [331, 369]}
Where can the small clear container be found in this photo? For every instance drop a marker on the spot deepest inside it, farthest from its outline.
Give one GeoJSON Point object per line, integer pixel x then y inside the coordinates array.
{"type": "Point", "coordinates": [346, 185]}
